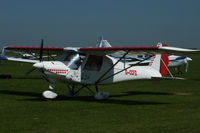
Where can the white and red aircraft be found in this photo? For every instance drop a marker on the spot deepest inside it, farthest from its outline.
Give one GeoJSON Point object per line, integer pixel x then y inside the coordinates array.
{"type": "Point", "coordinates": [94, 66]}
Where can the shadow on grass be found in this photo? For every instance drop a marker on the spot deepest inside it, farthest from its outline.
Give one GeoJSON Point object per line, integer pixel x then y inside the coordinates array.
{"type": "Point", "coordinates": [130, 93]}
{"type": "Point", "coordinates": [195, 79]}
{"type": "Point", "coordinates": [20, 93]}
{"type": "Point", "coordinates": [38, 97]}
{"type": "Point", "coordinates": [26, 78]}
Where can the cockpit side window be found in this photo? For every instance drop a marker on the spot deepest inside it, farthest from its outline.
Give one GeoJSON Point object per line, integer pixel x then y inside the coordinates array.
{"type": "Point", "coordinates": [94, 63]}
{"type": "Point", "coordinates": [67, 56]}
{"type": "Point", "coordinates": [76, 61]}
{"type": "Point", "coordinates": [72, 59]}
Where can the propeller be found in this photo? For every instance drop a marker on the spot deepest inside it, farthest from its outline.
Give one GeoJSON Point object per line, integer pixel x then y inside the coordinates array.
{"type": "Point", "coordinates": [40, 59]}
{"type": "Point", "coordinates": [41, 50]}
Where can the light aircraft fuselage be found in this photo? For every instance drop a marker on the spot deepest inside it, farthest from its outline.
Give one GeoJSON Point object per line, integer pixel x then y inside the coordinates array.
{"type": "Point", "coordinates": [88, 69]}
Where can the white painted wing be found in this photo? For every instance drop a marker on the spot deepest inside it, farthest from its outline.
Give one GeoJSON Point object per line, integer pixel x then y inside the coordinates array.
{"type": "Point", "coordinates": [18, 59]}
{"type": "Point", "coordinates": [35, 49]}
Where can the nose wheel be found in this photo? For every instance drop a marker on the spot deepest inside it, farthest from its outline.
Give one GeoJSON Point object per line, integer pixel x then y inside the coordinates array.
{"type": "Point", "coordinates": [49, 94]}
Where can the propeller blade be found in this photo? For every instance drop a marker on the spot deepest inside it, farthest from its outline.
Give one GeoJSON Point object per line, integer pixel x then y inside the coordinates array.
{"type": "Point", "coordinates": [30, 71]}
{"type": "Point", "coordinates": [40, 58]}
{"type": "Point", "coordinates": [41, 50]}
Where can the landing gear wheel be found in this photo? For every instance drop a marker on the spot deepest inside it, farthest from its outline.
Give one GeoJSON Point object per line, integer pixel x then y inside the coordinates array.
{"type": "Point", "coordinates": [49, 94]}
{"type": "Point", "coordinates": [101, 95]}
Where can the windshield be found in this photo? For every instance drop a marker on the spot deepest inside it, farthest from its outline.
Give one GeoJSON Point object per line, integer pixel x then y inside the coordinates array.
{"type": "Point", "coordinates": [66, 56]}
{"type": "Point", "coordinates": [72, 59]}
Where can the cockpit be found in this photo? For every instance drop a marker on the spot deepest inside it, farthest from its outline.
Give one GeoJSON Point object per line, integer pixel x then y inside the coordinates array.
{"type": "Point", "coordinates": [72, 59]}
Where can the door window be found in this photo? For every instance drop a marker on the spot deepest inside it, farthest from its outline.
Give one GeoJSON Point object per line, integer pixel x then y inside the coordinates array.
{"type": "Point", "coordinates": [94, 63]}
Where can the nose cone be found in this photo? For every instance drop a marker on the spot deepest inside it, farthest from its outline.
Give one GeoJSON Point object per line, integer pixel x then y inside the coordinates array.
{"type": "Point", "coordinates": [38, 65]}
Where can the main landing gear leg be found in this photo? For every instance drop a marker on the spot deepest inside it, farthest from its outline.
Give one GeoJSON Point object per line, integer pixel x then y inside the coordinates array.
{"type": "Point", "coordinates": [100, 95]}
{"type": "Point", "coordinates": [71, 91]}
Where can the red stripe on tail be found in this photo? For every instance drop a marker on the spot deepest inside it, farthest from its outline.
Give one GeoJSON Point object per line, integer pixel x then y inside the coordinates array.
{"type": "Point", "coordinates": [164, 64]}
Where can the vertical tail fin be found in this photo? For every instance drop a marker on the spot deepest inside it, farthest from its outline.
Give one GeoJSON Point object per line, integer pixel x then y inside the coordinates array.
{"type": "Point", "coordinates": [103, 43]}
{"type": "Point", "coordinates": [100, 41]}
{"type": "Point", "coordinates": [160, 63]}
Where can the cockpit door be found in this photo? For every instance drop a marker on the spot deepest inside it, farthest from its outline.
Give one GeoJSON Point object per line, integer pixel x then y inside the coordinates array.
{"type": "Point", "coordinates": [93, 68]}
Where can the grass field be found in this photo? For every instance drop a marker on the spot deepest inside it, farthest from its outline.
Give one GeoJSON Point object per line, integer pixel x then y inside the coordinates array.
{"type": "Point", "coordinates": [134, 106]}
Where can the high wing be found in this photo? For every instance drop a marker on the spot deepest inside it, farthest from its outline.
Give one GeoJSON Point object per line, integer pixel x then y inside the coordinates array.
{"type": "Point", "coordinates": [52, 50]}
{"type": "Point", "coordinates": [103, 51]}
{"type": "Point", "coordinates": [137, 50]}
{"type": "Point", "coordinates": [18, 59]}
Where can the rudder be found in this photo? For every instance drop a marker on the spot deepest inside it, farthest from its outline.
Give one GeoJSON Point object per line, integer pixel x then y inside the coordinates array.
{"type": "Point", "coordinates": [160, 63]}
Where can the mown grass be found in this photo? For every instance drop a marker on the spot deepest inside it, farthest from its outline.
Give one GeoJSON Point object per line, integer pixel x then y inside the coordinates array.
{"type": "Point", "coordinates": [134, 106]}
